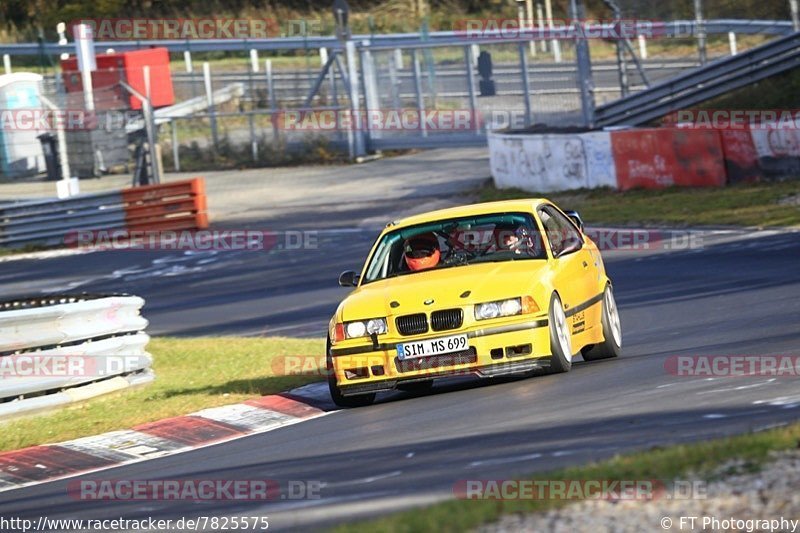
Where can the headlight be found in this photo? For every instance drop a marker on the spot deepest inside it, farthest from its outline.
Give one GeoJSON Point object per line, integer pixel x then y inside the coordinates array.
{"type": "Point", "coordinates": [487, 310]}
{"type": "Point", "coordinates": [364, 328]}
{"type": "Point", "coordinates": [510, 307]}
{"type": "Point", "coordinates": [355, 329]}
{"type": "Point", "coordinates": [376, 325]}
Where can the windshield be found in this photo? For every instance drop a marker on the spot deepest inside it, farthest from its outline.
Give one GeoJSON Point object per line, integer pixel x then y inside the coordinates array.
{"type": "Point", "coordinates": [456, 242]}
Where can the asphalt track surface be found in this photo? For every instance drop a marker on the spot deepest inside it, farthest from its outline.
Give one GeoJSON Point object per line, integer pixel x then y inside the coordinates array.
{"type": "Point", "coordinates": [734, 292]}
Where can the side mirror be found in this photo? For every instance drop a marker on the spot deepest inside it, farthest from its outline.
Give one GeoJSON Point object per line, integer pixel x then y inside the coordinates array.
{"type": "Point", "coordinates": [348, 278]}
{"type": "Point", "coordinates": [576, 218]}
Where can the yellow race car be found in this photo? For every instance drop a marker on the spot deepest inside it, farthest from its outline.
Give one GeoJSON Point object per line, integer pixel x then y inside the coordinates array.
{"type": "Point", "coordinates": [488, 289]}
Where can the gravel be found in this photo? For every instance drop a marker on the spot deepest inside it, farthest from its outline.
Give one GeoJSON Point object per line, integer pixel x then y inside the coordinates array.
{"type": "Point", "coordinates": [769, 494]}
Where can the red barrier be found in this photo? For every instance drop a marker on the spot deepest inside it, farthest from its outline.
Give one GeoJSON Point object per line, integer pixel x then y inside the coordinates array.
{"type": "Point", "coordinates": [741, 158]}
{"type": "Point", "coordinates": [655, 158]}
{"type": "Point", "coordinates": [172, 206]}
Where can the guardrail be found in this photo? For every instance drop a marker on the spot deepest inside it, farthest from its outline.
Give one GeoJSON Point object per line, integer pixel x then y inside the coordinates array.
{"type": "Point", "coordinates": [678, 28]}
{"type": "Point", "coordinates": [718, 77]}
{"type": "Point", "coordinates": [50, 345]}
{"type": "Point", "coordinates": [172, 206]}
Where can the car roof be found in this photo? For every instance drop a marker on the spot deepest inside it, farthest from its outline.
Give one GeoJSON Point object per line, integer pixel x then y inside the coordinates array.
{"type": "Point", "coordinates": [521, 205]}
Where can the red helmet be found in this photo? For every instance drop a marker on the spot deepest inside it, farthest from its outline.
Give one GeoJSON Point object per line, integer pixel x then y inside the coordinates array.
{"type": "Point", "coordinates": [422, 252]}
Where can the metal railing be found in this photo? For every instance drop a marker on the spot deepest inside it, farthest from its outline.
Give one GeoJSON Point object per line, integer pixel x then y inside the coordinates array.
{"type": "Point", "coordinates": [716, 78]}
{"type": "Point", "coordinates": [50, 344]}
{"type": "Point", "coordinates": [171, 206]}
{"type": "Point", "coordinates": [667, 29]}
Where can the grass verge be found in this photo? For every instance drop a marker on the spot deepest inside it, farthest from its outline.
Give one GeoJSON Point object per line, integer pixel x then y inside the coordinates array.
{"type": "Point", "coordinates": [762, 204]}
{"type": "Point", "coordinates": [702, 460]}
{"type": "Point", "coordinates": [191, 374]}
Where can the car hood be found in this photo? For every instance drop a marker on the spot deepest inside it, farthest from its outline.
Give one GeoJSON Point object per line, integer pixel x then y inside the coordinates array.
{"type": "Point", "coordinates": [446, 287]}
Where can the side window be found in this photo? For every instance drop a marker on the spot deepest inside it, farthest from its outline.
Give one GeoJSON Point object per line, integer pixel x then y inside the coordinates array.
{"type": "Point", "coordinates": [561, 234]}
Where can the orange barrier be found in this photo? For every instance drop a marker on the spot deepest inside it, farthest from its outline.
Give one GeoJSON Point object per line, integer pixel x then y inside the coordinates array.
{"type": "Point", "coordinates": [741, 158]}
{"type": "Point", "coordinates": [178, 205]}
{"type": "Point", "coordinates": [654, 158]}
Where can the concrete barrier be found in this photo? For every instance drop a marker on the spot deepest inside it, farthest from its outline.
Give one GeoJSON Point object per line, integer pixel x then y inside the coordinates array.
{"type": "Point", "coordinates": [640, 158]}
{"type": "Point", "coordinates": [552, 162]}
{"type": "Point", "coordinates": [663, 157]}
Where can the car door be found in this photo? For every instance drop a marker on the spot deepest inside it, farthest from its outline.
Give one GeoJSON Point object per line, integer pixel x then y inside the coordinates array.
{"type": "Point", "coordinates": [574, 271]}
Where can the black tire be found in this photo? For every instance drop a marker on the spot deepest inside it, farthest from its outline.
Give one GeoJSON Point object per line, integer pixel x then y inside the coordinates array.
{"type": "Point", "coordinates": [560, 360]}
{"type": "Point", "coordinates": [360, 400]}
{"type": "Point", "coordinates": [611, 346]}
{"type": "Point", "coordinates": [416, 387]}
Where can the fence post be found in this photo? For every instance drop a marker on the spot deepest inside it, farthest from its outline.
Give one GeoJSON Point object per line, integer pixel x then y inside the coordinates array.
{"type": "Point", "coordinates": [357, 148]}
{"type": "Point", "coordinates": [700, 29]}
{"type": "Point", "coordinates": [418, 91]}
{"type": "Point", "coordinates": [371, 100]}
{"type": "Point", "coordinates": [7, 63]}
{"type": "Point", "coordinates": [250, 112]}
{"type": "Point", "coordinates": [526, 83]}
{"type": "Point", "coordinates": [732, 43]}
{"type": "Point", "coordinates": [187, 61]}
{"type": "Point", "coordinates": [795, 10]}
{"type": "Point", "coordinates": [152, 138]}
{"type": "Point", "coordinates": [254, 60]}
{"type": "Point", "coordinates": [210, 101]}
{"type": "Point", "coordinates": [554, 43]}
{"type": "Point", "coordinates": [430, 64]}
{"type": "Point", "coordinates": [585, 81]}
{"type": "Point", "coordinates": [394, 90]}
{"type": "Point", "coordinates": [473, 101]}
{"type": "Point", "coordinates": [175, 152]}
{"type": "Point", "coordinates": [642, 46]}
{"type": "Point", "coordinates": [273, 102]}
{"type": "Point", "coordinates": [540, 18]}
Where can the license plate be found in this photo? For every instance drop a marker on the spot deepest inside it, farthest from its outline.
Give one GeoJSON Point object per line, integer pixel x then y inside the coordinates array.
{"type": "Point", "coordinates": [428, 347]}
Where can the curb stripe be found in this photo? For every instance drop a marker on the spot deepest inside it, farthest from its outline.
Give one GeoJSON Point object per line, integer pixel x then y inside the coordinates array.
{"type": "Point", "coordinates": [190, 430]}
{"type": "Point", "coordinates": [44, 462]}
{"type": "Point", "coordinates": [246, 416]}
{"type": "Point", "coordinates": [285, 405]}
{"type": "Point", "coordinates": [49, 462]}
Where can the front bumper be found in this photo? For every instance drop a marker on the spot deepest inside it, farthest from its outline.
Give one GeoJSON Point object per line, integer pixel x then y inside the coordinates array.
{"type": "Point", "coordinates": [507, 348]}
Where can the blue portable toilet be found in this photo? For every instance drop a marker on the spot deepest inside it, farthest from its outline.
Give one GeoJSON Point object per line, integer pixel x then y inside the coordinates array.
{"type": "Point", "coordinates": [20, 103]}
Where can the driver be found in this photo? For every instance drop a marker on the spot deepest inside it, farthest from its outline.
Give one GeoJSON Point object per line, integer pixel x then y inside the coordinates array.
{"type": "Point", "coordinates": [515, 239]}
{"type": "Point", "coordinates": [421, 252]}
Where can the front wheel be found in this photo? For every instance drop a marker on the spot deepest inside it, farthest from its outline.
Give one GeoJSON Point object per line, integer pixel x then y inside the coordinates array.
{"type": "Point", "coordinates": [560, 340]}
{"type": "Point", "coordinates": [612, 330]}
{"type": "Point", "coordinates": [360, 400]}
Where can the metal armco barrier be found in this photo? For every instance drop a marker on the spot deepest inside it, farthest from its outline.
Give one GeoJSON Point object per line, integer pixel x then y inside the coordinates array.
{"type": "Point", "coordinates": [170, 206]}
{"type": "Point", "coordinates": [49, 345]}
{"type": "Point", "coordinates": [667, 29]}
{"type": "Point", "coordinates": [716, 78]}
